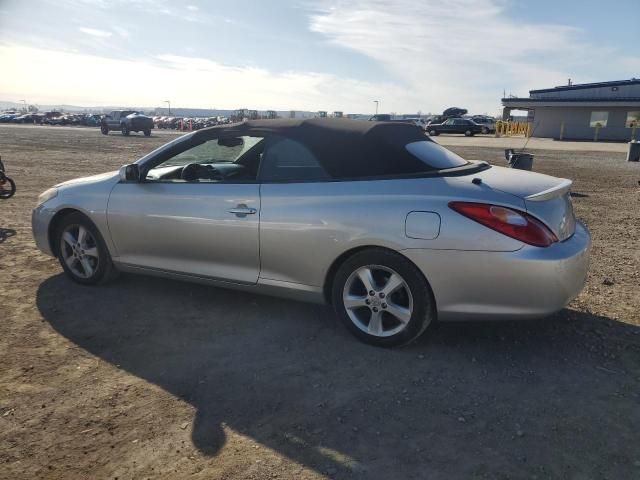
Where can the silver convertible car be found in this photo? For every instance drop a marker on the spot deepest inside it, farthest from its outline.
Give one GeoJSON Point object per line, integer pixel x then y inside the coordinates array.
{"type": "Point", "coordinates": [373, 217]}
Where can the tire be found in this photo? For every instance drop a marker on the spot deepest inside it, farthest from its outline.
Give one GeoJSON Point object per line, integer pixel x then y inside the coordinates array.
{"type": "Point", "coordinates": [125, 130]}
{"type": "Point", "coordinates": [433, 133]}
{"type": "Point", "coordinates": [104, 129]}
{"type": "Point", "coordinates": [411, 302]}
{"type": "Point", "coordinates": [485, 130]}
{"type": "Point", "coordinates": [99, 267]}
{"type": "Point", "coordinates": [147, 133]}
{"type": "Point", "coordinates": [5, 192]}
{"type": "Point", "coordinates": [468, 133]}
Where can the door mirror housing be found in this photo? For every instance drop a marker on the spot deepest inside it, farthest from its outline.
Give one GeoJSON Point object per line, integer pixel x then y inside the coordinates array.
{"type": "Point", "coordinates": [130, 173]}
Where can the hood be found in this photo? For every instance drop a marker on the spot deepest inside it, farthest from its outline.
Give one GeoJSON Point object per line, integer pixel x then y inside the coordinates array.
{"type": "Point", "coordinates": [92, 179]}
{"type": "Point", "coordinates": [137, 115]}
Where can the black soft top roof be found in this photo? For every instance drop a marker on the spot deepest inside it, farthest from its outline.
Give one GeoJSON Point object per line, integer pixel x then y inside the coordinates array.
{"type": "Point", "coordinates": [305, 129]}
{"type": "Point", "coordinates": [344, 147]}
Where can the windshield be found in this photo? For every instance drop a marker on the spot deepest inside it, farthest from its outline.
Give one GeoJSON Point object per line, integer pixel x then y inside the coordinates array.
{"type": "Point", "coordinates": [213, 152]}
{"type": "Point", "coordinates": [434, 155]}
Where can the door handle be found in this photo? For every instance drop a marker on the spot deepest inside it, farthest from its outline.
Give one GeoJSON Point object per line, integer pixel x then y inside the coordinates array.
{"type": "Point", "coordinates": [240, 210]}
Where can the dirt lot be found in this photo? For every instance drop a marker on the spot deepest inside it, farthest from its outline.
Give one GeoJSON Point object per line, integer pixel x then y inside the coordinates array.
{"type": "Point", "coordinates": [150, 378]}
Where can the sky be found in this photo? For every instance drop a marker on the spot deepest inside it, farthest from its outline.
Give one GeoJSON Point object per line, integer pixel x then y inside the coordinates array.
{"type": "Point", "coordinates": [410, 55]}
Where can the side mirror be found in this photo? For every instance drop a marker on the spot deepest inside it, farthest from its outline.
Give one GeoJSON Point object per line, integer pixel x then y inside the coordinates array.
{"type": "Point", "coordinates": [129, 173]}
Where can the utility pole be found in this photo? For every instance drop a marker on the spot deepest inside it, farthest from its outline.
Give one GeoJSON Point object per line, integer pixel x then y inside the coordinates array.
{"type": "Point", "coordinates": [376, 102]}
{"type": "Point", "coordinates": [169, 103]}
{"type": "Point", "coordinates": [25, 105]}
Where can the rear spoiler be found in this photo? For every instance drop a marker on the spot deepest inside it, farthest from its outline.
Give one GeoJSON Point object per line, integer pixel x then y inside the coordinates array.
{"type": "Point", "coordinates": [556, 191]}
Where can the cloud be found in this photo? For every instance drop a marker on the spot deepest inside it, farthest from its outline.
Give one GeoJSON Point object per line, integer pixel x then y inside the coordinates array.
{"type": "Point", "coordinates": [193, 8]}
{"type": "Point", "coordinates": [462, 53]}
{"type": "Point", "coordinates": [121, 31]}
{"type": "Point", "coordinates": [95, 32]}
{"type": "Point", "coordinates": [87, 80]}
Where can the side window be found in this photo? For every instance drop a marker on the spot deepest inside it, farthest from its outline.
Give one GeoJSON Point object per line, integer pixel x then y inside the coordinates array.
{"type": "Point", "coordinates": [449, 122]}
{"type": "Point", "coordinates": [599, 119]}
{"type": "Point", "coordinates": [115, 116]}
{"type": "Point", "coordinates": [287, 160]}
{"type": "Point", "coordinates": [232, 159]}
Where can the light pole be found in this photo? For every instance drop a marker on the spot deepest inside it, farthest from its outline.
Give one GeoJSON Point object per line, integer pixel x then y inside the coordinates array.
{"type": "Point", "coordinates": [169, 103]}
{"type": "Point", "coordinates": [25, 105]}
{"type": "Point", "coordinates": [376, 102]}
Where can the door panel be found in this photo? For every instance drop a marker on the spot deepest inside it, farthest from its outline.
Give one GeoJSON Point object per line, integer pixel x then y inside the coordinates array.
{"type": "Point", "coordinates": [188, 228]}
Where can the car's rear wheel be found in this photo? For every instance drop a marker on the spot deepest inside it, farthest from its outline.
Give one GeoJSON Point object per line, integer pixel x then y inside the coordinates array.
{"type": "Point", "coordinates": [125, 130]}
{"type": "Point", "coordinates": [104, 129]}
{"type": "Point", "coordinates": [468, 133]}
{"type": "Point", "coordinates": [82, 251]}
{"type": "Point", "coordinates": [147, 133]}
{"type": "Point", "coordinates": [485, 130]}
{"type": "Point", "coordinates": [382, 298]}
{"type": "Point", "coordinates": [433, 133]}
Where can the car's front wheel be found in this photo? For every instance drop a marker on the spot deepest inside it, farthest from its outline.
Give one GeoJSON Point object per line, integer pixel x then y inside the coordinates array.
{"type": "Point", "coordinates": [382, 298]}
{"type": "Point", "coordinates": [485, 130]}
{"type": "Point", "coordinates": [82, 251]}
{"type": "Point", "coordinates": [147, 132]}
{"type": "Point", "coordinates": [433, 133]}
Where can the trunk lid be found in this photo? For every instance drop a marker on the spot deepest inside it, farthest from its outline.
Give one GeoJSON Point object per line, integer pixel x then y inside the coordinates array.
{"type": "Point", "coordinates": [546, 198]}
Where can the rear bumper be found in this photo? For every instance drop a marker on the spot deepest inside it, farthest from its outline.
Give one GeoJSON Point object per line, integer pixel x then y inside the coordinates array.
{"type": "Point", "coordinates": [529, 283]}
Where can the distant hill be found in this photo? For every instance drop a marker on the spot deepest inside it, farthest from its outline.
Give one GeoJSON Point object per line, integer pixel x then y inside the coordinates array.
{"type": "Point", "coordinates": [176, 111]}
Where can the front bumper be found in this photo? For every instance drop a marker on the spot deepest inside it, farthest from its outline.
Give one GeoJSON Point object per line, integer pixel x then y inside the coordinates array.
{"type": "Point", "coordinates": [529, 283]}
{"type": "Point", "coordinates": [141, 124]}
{"type": "Point", "coordinates": [40, 219]}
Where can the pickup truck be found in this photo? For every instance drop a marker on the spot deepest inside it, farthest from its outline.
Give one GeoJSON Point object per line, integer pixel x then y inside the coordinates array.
{"type": "Point", "coordinates": [126, 121]}
{"type": "Point", "coordinates": [455, 125]}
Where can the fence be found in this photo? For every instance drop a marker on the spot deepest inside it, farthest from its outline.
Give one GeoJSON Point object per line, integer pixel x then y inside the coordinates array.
{"type": "Point", "coordinates": [510, 129]}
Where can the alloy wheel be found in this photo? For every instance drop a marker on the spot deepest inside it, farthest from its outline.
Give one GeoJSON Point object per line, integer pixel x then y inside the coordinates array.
{"type": "Point", "coordinates": [79, 251]}
{"type": "Point", "coordinates": [378, 300]}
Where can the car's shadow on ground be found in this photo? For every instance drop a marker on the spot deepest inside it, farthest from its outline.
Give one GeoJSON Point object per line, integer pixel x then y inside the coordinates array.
{"type": "Point", "coordinates": [466, 400]}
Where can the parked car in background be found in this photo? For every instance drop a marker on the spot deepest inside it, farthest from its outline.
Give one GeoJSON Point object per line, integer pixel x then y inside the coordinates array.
{"type": "Point", "coordinates": [7, 117]}
{"type": "Point", "coordinates": [90, 120]}
{"type": "Point", "coordinates": [26, 118]}
{"type": "Point", "coordinates": [373, 217]}
{"type": "Point", "coordinates": [488, 124]}
{"type": "Point", "coordinates": [126, 121]}
{"type": "Point", "coordinates": [380, 117]}
{"type": "Point", "coordinates": [385, 117]}
{"type": "Point", "coordinates": [455, 125]}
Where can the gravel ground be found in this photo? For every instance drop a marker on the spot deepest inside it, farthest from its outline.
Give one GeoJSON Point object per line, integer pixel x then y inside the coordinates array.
{"type": "Point", "coordinates": [151, 378]}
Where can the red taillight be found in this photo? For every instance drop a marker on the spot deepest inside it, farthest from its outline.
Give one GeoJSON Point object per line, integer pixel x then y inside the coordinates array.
{"type": "Point", "coordinates": [513, 223]}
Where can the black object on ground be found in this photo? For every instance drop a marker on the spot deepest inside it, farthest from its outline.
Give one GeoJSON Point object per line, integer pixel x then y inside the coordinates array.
{"type": "Point", "coordinates": [519, 160]}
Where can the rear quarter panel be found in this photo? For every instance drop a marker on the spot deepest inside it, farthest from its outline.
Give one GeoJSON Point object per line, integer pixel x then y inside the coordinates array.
{"type": "Point", "coordinates": [304, 227]}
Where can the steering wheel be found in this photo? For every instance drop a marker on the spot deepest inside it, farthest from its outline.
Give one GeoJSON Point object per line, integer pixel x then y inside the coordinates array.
{"type": "Point", "coordinates": [196, 171]}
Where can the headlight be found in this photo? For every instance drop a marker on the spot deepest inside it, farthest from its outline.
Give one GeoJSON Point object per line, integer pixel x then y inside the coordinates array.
{"type": "Point", "coordinates": [47, 195]}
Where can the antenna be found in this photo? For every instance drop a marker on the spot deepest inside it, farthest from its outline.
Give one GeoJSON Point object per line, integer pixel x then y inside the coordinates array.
{"type": "Point", "coordinates": [529, 138]}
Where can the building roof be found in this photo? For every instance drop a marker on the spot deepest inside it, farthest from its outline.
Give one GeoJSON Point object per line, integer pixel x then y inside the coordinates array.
{"type": "Point", "coordinates": [571, 102]}
{"type": "Point", "coordinates": [582, 86]}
